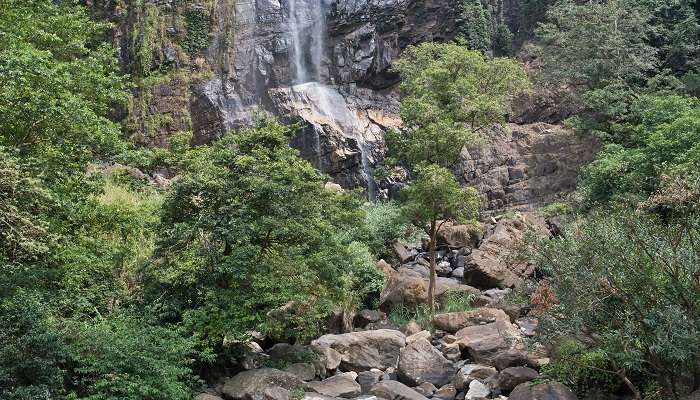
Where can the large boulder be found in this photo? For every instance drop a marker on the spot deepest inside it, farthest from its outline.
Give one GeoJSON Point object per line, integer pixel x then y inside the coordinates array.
{"type": "Point", "coordinates": [495, 262]}
{"type": "Point", "coordinates": [472, 372]}
{"type": "Point", "coordinates": [453, 322]}
{"type": "Point", "coordinates": [477, 391]}
{"type": "Point", "coordinates": [411, 288]}
{"type": "Point", "coordinates": [542, 391]}
{"type": "Point", "coordinates": [421, 362]}
{"type": "Point", "coordinates": [484, 342]}
{"type": "Point", "coordinates": [343, 385]}
{"type": "Point", "coordinates": [247, 384]}
{"type": "Point", "coordinates": [393, 390]}
{"type": "Point", "coordinates": [207, 396]}
{"type": "Point", "coordinates": [457, 236]}
{"type": "Point", "coordinates": [362, 351]}
{"type": "Point", "coordinates": [511, 377]}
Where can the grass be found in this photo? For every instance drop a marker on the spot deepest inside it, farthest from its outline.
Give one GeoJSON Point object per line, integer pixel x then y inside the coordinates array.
{"type": "Point", "coordinates": [451, 302]}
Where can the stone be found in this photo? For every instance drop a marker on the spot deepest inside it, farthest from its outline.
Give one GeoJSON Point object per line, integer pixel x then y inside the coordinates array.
{"type": "Point", "coordinates": [511, 377]}
{"type": "Point", "coordinates": [483, 342]}
{"type": "Point", "coordinates": [365, 317]}
{"type": "Point", "coordinates": [411, 328]}
{"type": "Point", "coordinates": [400, 251]}
{"type": "Point", "coordinates": [253, 356]}
{"type": "Point", "coordinates": [385, 268]}
{"type": "Point", "coordinates": [471, 372]}
{"type": "Point", "coordinates": [420, 362]}
{"type": "Point", "coordinates": [489, 265]}
{"type": "Point", "coordinates": [305, 371]}
{"type": "Point", "coordinates": [393, 390]}
{"type": "Point", "coordinates": [542, 391]}
{"type": "Point", "coordinates": [511, 358]}
{"type": "Point", "coordinates": [410, 289]}
{"type": "Point", "coordinates": [245, 385]}
{"type": "Point", "coordinates": [443, 268]}
{"type": "Point", "coordinates": [447, 392]}
{"type": "Point", "coordinates": [342, 385]}
{"type": "Point", "coordinates": [362, 351]}
{"type": "Point", "coordinates": [451, 351]}
{"type": "Point", "coordinates": [333, 187]}
{"type": "Point", "coordinates": [420, 335]}
{"type": "Point", "coordinates": [456, 236]}
{"type": "Point", "coordinates": [458, 273]}
{"type": "Point", "coordinates": [367, 379]}
{"type": "Point", "coordinates": [426, 389]}
{"type": "Point", "coordinates": [274, 393]}
{"type": "Point", "coordinates": [453, 322]}
{"type": "Point", "coordinates": [327, 359]}
{"type": "Point", "coordinates": [527, 325]}
{"type": "Point", "coordinates": [477, 391]}
{"type": "Point", "coordinates": [207, 396]}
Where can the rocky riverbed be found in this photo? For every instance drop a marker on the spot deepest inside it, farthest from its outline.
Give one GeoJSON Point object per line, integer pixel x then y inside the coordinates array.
{"type": "Point", "coordinates": [478, 353]}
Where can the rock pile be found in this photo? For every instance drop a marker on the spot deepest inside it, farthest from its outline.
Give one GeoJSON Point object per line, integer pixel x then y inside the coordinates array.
{"type": "Point", "coordinates": [476, 354]}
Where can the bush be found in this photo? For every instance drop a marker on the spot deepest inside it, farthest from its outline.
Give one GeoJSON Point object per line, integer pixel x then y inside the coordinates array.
{"type": "Point", "coordinates": [386, 222]}
{"type": "Point", "coordinates": [628, 282]}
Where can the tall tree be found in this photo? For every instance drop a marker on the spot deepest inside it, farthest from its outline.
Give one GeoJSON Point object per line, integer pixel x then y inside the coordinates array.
{"type": "Point", "coordinates": [452, 94]}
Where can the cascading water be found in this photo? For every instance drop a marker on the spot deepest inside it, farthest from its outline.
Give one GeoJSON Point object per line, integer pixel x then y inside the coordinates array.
{"type": "Point", "coordinates": [307, 25]}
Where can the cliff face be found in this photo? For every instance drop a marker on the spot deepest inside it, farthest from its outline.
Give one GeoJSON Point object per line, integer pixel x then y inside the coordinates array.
{"type": "Point", "coordinates": [210, 66]}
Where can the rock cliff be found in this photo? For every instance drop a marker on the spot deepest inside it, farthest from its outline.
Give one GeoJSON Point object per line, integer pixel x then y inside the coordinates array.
{"type": "Point", "coordinates": [209, 66]}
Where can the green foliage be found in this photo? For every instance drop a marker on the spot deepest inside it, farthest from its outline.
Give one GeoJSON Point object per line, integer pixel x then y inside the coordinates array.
{"type": "Point", "coordinates": [252, 240]}
{"type": "Point", "coordinates": [475, 25]}
{"type": "Point", "coordinates": [436, 195]}
{"type": "Point", "coordinates": [503, 41]}
{"type": "Point", "coordinates": [628, 281]}
{"type": "Point", "coordinates": [386, 222]}
{"type": "Point", "coordinates": [555, 209]}
{"type": "Point", "coordinates": [125, 357]}
{"type": "Point", "coordinates": [451, 301]}
{"type": "Point", "coordinates": [452, 94]}
{"type": "Point", "coordinates": [656, 135]}
{"type": "Point", "coordinates": [592, 44]}
{"type": "Point", "coordinates": [583, 370]}
{"type": "Point", "coordinates": [197, 38]}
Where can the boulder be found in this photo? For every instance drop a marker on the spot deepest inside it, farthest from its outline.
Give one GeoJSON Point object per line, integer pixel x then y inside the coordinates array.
{"type": "Point", "coordinates": [477, 391]}
{"type": "Point", "coordinates": [443, 268]}
{"type": "Point", "coordinates": [483, 342]}
{"type": "Point", "coordinates": [511, 377]}
{"type": "Point", "coordinates": [471, 372]}
{"type": "Point", "coordinates": [542, 391]}
{"type": "Point", "coordinates": [451, 351]}
{"type": "Point", "coordinates": [410, 288]}
{"type": "Point", "coordinates": [426, 389]}
{"type": "Point", "coordinates": [253, 356]}
{"type": "Point", "coordinates": [401, 252]}
{"type": "Point", "coordinates": [420, 362]}
{"type": "Point", "coordinates": [492, 264]}
{"type": "Point", "coordinates": [207, 396]}
{"type": "Point", "coordinates": [305, 371]}
{"type": "Point", "coordinates": [385, 268]}
{"type": "Point", "coordinates": [453, 322]}
{"type": "Point", "coordinates": [362, 351]}
{"type": "Point", "coordinates": [274, 393]}
{"type": "Point", "coordinates": [327, 359]}
{"type": "Point", "coordinates": [411, 328]}
{"type": "Point", "coordinates": [447, 392]}
{"type": "Point", "coordinates": [342, 385]}
{"type": "Point", "coordinates": [247, 384]}
{"type": "Point", "coordinates": [456, 236]}
{"type": "Point", "coordinates": [512, 358]}
{"type": "Point", "coordinates": [367, 379]}
{"type": "Point", "coordinates": [527, 325]}
{"type": "Point", "coordinates": [393, 390]}
{"type": "Point", "coordinates": [458, 273]}
{"type": "Point", "coordinates": [420, 335]}
{"type": "Point", "coordinates": [365, 317]}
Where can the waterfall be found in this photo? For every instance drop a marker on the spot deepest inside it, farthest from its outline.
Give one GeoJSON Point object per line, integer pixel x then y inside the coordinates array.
{"type": "Point", "coordinates": [307, 25]}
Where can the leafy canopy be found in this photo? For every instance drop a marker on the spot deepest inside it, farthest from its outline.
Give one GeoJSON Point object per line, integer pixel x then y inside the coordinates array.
{"type": "Point", "coordinates": [451, 95]}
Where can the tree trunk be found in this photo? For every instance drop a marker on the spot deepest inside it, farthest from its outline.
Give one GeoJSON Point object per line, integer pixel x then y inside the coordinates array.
{"type": "Point", "coordinates": [433, 257]}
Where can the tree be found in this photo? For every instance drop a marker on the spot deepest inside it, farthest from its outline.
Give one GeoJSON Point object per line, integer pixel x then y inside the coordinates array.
{"type": "Point", "coordinates": [434, 198]}
{"type": "Point", "coordinates": [253, 241]}
{"type": "Point", "coordinates": [452, 94]}
{"type": "Point", "coordinates": [592, 44]}
{"type": "Point", "coordinates": [475, 25]}
{"type": "Point", "coordinates": [628, 283]}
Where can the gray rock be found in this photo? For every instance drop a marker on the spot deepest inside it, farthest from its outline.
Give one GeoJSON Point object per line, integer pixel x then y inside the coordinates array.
{"type": "Point", "coordinates": [426, 389]}
{"type": "Point", "coordinates": [420, 335]}
{"type": "Point", "coordinates": [443, 268]}
{"type": "Point", "coordinates": [420, 362]}
{"type": "Point", "coordinates": [273, 393]}
{"type": "Point", "coordinates": [393, 390]}
{"type": "Point", "coordinates": [511, 377]}
{"type": "Point", "coordinates": [367, 379]}
{"type": "Point", "coordinates": [458, 273]}
{"type": "Point", "coordinates": [453, 322]}
{"type": "Point", "coordinates": [365, 317]}
{"type": "Point", "coordinates": [512, 358]}
{"type": "Point", "coordinates": [447, 392]}
{"type": "Point", "coordinates": [477, 391]}
{"type": "Point", "coordinates": [247, 384]}
{"type": "Point", "coordinates": [483, 342]}
{"type": "Point", "coordinates": [401, 252]}
{"type": "Point", "coordinates": [305, 371]}
{"type": "Point", "coordinates": [542, 391]}
{"type": "Point", "coordinates": [362, 351]}
{"type": "Point", "coordinates": [207, 396]}
{"type": "Point", "coordinates": [342, 385]}
{"type": "Point", "coordinates": [471, 372]}
{"type": "Point", "coordinates": [527, 325]}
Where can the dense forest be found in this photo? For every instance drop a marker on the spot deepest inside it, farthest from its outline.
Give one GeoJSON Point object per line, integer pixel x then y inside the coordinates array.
{"type": "Point", "coordinates": [227, 266]}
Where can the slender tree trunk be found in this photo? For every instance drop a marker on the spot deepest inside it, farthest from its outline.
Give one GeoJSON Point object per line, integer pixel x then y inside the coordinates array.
{"type": "Point", "coordinates": [433, 257]}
